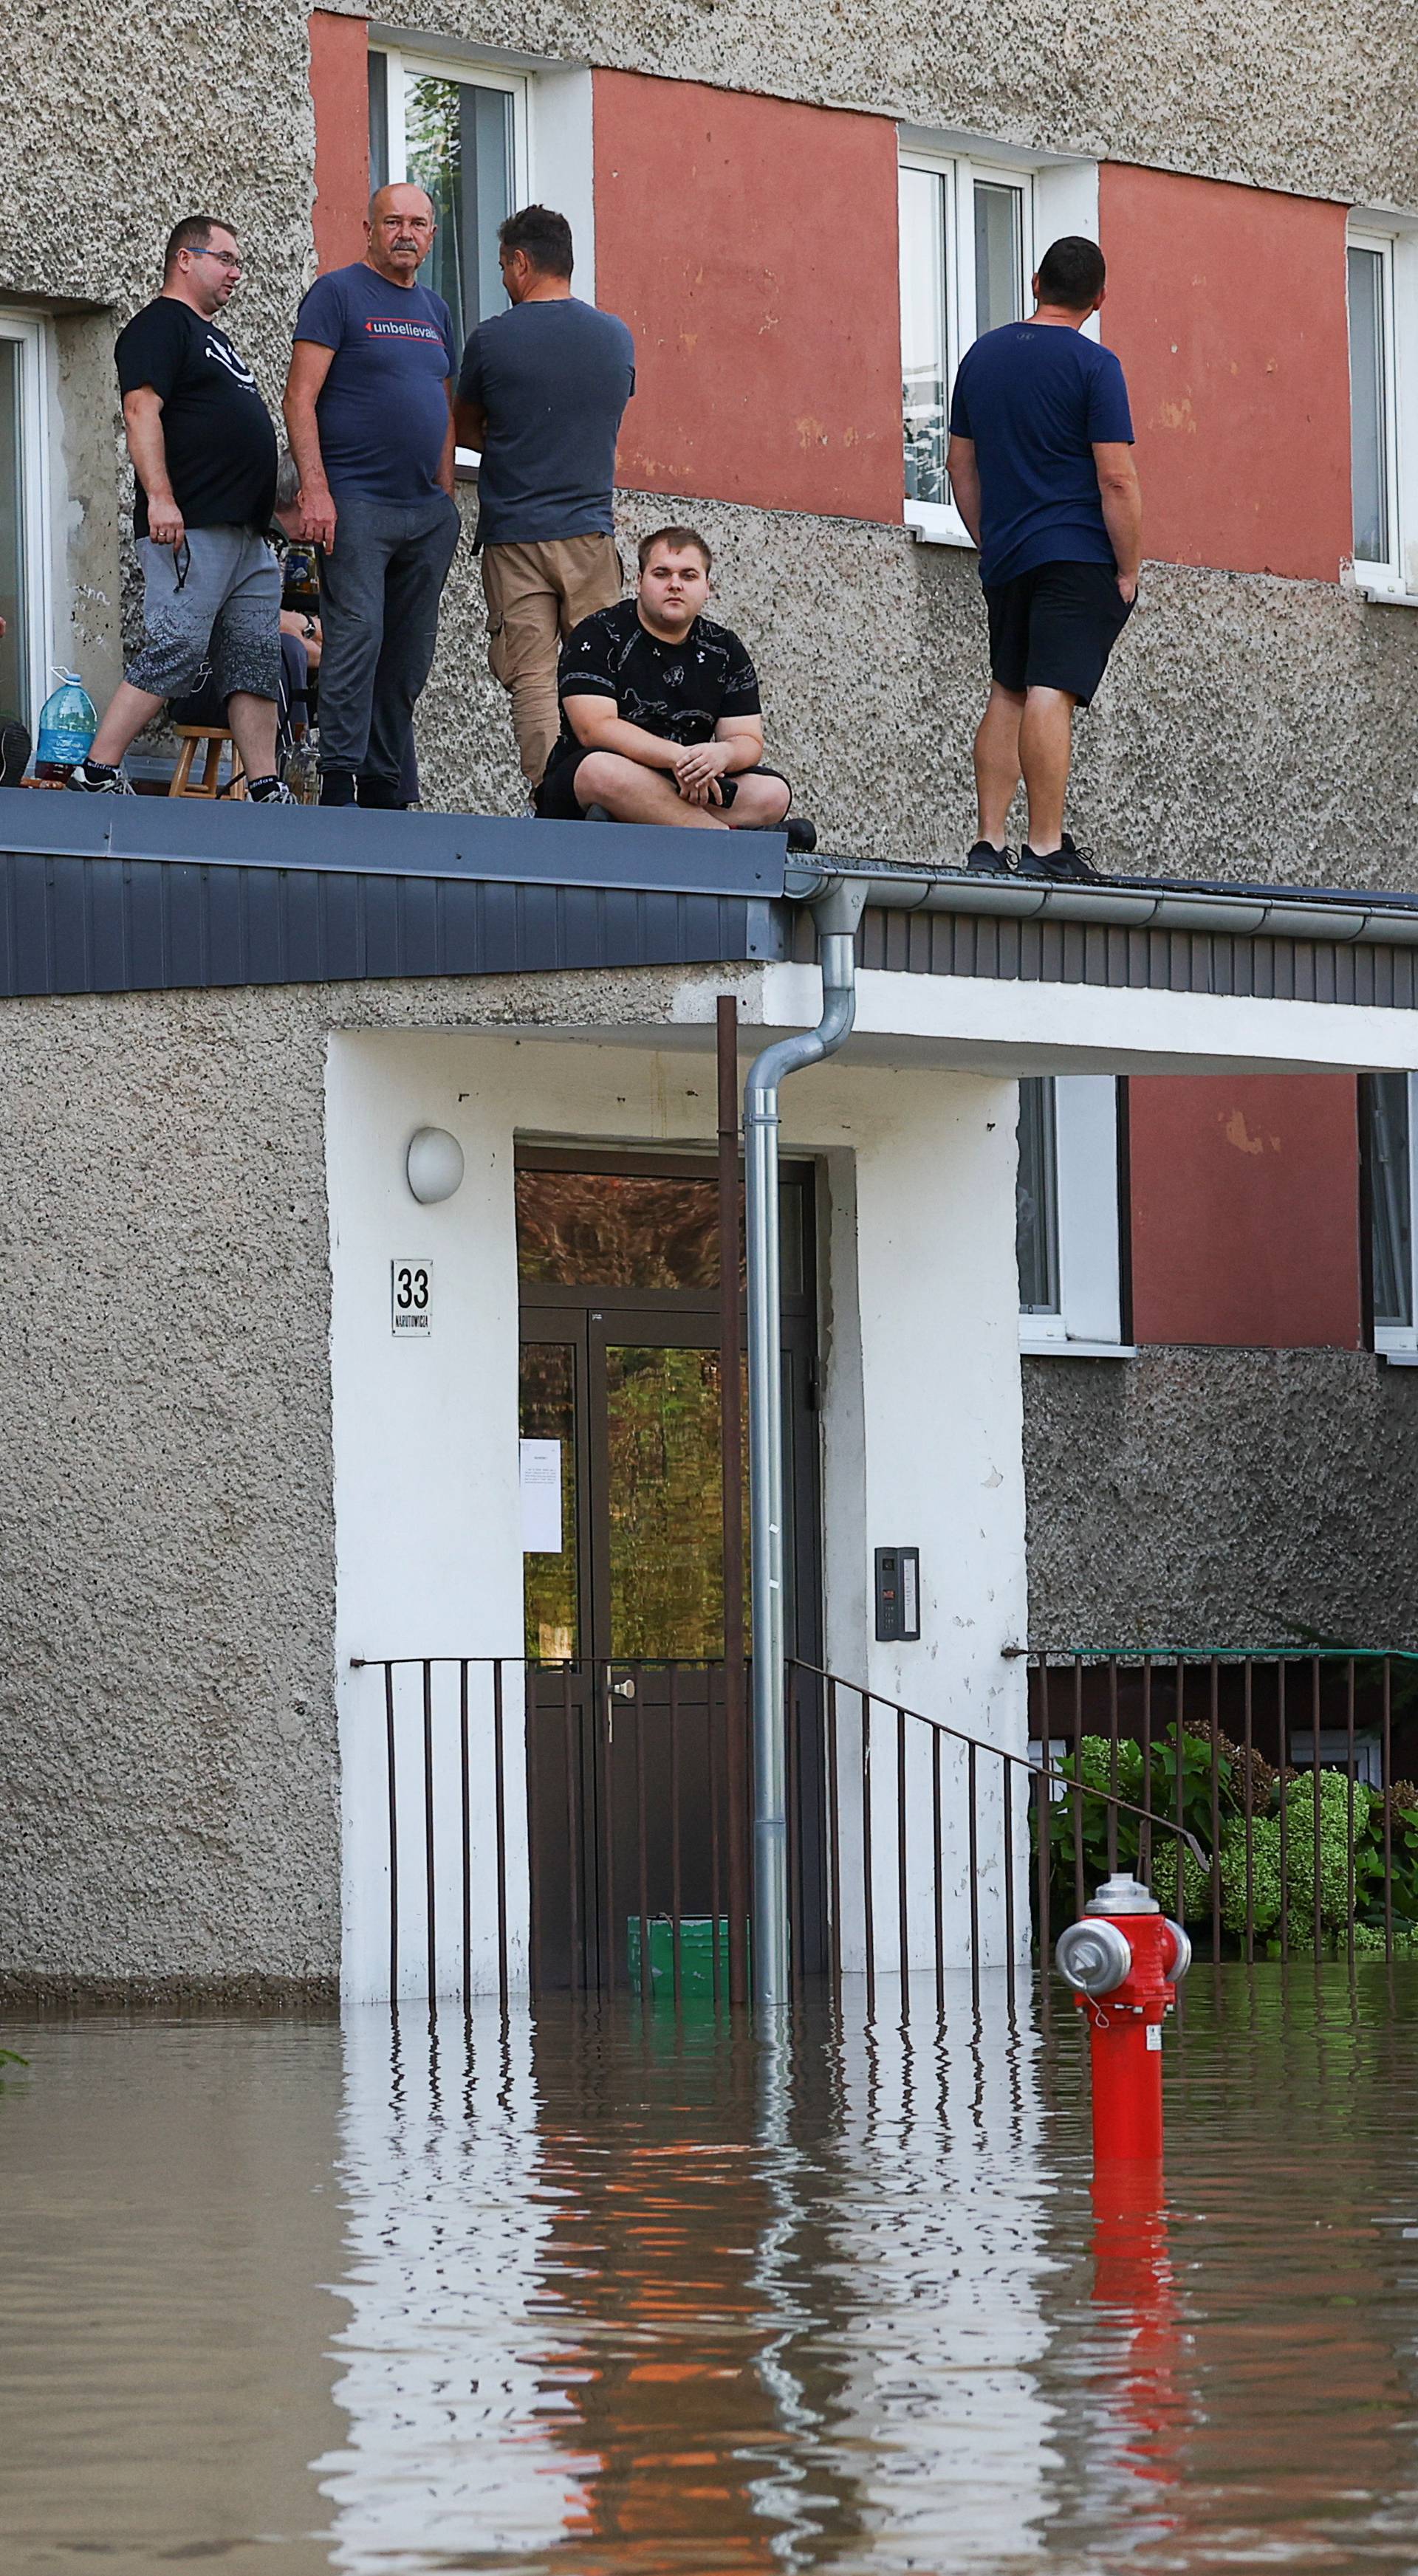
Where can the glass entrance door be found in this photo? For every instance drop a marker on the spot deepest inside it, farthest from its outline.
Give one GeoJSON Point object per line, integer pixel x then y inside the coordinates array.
{"type": "Point", "coordinates": [623, 1541]}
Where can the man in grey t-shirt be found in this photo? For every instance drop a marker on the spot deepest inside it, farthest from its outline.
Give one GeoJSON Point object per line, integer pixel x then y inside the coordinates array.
{"type": "Point", "coordinates": [540, 395]}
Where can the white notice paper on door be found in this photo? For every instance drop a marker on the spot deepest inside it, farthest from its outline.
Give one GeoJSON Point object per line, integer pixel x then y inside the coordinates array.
{"type": "Point", "coordinates": [541, 1497]}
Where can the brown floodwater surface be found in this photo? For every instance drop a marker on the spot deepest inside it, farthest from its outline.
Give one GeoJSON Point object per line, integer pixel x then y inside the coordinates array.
{"type": "Point", "coordinates": [596, 2290]}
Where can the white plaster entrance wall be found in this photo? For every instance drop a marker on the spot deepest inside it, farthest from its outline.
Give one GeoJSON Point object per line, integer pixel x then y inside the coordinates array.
{"type": "Point", "coordinates": [921, 1446]}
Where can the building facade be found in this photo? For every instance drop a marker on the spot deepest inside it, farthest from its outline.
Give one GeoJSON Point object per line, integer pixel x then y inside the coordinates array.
{"type": "Point", "coordinates": [805, 220]}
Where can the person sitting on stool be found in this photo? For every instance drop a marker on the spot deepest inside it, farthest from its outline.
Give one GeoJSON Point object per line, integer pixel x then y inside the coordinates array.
{"type": "Point", "coordinates": [661, 720]}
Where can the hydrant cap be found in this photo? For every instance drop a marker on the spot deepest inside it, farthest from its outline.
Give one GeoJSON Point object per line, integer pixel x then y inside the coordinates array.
{"type": "Point", "coordinates": [1123, 1894]}
{"type": "Point", "coordinates": [1093, 1958]}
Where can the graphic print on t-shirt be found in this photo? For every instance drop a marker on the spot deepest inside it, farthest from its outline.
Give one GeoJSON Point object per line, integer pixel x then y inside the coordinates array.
{"type": "Point", "coordinates": [220, 348]}
{"type": "Point", "coordinates": [678, 691]}
{"type": "Point", "coordinates": [392, 326]}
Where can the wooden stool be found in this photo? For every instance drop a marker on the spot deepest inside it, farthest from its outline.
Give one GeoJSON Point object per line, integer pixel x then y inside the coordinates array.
{"type": "Point", "coordinates": [214, 736]}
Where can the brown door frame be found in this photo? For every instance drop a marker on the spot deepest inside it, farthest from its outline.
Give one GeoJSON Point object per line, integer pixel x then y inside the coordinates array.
{"type": "Point", "coordinates": [589, 1320]}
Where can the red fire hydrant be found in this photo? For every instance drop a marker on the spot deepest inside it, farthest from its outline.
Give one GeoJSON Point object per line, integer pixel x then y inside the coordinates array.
{"type": "Point", "coordinates": [1124, 1960]}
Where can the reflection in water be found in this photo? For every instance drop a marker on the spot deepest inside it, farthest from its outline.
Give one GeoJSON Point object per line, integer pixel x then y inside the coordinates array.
{"type": "Point", "coordinates": [614, 2292]}
{"type": "Point", "coordinates": [649, 2293]}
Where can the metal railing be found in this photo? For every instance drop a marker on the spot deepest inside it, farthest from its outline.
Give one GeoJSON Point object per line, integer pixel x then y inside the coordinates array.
{"type": "Point", "coordinates": [957, 1812]}
{"type": "Point", "coordinates": [572, 1824]}
{"type": "Point", "coordinates": [1293, 1767]}
{"type": "Point", "coordinates": [570, 1820]}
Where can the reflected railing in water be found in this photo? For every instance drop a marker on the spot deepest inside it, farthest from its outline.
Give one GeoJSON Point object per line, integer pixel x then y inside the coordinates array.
{"type": "Point", "coordinates": [644, 2235]}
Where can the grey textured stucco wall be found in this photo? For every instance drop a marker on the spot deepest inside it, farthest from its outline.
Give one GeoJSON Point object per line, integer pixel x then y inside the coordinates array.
{"type": "Point", "coordinates": [1211, 1497]}
{"type": "Point", "coordinates": [1317, 99]}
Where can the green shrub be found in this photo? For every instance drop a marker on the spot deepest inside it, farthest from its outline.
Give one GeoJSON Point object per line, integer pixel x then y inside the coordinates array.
{"type": "Point", "coordinates": [1101, 1767]}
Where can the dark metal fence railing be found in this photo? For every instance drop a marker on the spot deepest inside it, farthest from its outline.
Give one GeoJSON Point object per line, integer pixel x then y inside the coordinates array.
{"type": "Point", "coordinates": [1294, 1769]}
{"type": "Point", "coordinates": [571, 1825]}
{"type": "Point", "coordinates": [957, 1814]}
{"type": "Point", "coordinates": [567, 1824]}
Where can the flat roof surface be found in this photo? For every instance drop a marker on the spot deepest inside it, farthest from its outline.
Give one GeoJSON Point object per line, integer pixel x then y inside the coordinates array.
{"type": "Point", "coordinates": [130, 894]}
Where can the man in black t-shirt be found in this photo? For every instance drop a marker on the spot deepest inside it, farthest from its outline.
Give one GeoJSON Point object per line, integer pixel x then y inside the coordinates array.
{"type": "Point", "coordinates": [204, 461]}
{"type": "Point", "coordinates": [661, 720]}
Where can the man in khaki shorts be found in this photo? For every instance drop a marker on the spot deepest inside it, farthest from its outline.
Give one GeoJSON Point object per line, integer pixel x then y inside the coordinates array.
{"type": "Point", "coordinates": [540, 395]}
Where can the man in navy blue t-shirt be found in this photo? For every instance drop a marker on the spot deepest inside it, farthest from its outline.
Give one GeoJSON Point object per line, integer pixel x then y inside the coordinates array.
{"type": "Point", "coordinates": [369, 411]}
{"type": "Point", "coordinates": [1042, 470]}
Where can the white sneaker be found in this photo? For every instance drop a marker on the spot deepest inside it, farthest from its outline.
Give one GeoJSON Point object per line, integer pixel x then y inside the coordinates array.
{"type": "Point", "coordinates": [120, 784]}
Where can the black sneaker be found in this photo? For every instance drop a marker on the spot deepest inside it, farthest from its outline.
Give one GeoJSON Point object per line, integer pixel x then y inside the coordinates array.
{"type": "Point", "coordinates": [337, 787]}
{"type": "Point", "coordinates": [268, 791]}
{"type": "Point", "coordinates": [15, 749]}
{"type": "Point", "coordinates": [986, 861]}
{"type": "Point", "coordinates": [802, 833]}
{"type": "Point", "coordinates": [88, 780]}
{"type": "Point", "coordinates": [1068, 865]}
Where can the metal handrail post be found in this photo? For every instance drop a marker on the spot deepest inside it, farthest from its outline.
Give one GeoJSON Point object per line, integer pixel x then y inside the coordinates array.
{"type": "Point", "coordinates": [836, 914]}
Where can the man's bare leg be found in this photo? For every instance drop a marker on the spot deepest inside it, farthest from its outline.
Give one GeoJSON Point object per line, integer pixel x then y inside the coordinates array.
{"type": "Point", "coordinates": [633, 794]}
{"type": "Point", "coordinates": [997, 763]}
{"type": "Point", "coordinates": [253, 726]}
{"type": "Point", "coordinates": [1045, 749]}
{"type": "Point", "coordinates": [760, 804]}
{"type": "Point", "coordinates": [127, 712]}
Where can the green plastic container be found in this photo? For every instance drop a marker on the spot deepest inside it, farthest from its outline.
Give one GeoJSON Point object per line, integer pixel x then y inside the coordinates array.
{"type": "Point", "coordinates": [697, 1935]}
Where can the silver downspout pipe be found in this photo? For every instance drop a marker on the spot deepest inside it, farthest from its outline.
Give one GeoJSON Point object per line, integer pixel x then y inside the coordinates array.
{"type": "Point", "coordinates": [836, 914]}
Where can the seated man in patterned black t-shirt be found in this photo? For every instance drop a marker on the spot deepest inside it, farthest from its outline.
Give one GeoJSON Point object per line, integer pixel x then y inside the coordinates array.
{"type": "Point", "coordinates": [661, 718]}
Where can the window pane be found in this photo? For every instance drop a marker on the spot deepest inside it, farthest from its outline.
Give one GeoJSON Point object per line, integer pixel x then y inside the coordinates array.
{"type": "Point", "coordinates": [458, 145]}
{"type": "Point", "coordinates": [625, 1230]}
{"type": "Point", "coordinates": [1391, 1167]}
{"type": "Point", "coordinates": [923, 341]}
{"type": "Point", "coordinates": [666, 1503]}
{"type": "Point", "coordinates": [378, 120]}
{"type": "Point", "coordinates": [1368, 372]}
{"type": "Point", "coordinates": [1036, 1205]}
{"type": "Point", "coordinates": [999, 254]}
{"type": "Point", "coordinates": [14, 644]}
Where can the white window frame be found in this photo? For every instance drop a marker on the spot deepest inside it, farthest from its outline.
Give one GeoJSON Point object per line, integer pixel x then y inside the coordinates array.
{"type": "Point", "coordinates": [1400, 1341]}
{"type": "Point", "coordinates": [1395, 238]}
{"type": "Point", "coordinates": [472, 71]}
{"type": "Point", "coordinates": [30, 332]}
{"type": "Point", "coordinates": [1059, 197]}
{"type": "Point", "coordinates": [1088, 1320]}
{"type": "Point", "coordinates": [551, 133]}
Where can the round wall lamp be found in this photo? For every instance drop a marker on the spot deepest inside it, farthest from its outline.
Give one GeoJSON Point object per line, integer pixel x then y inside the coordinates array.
{"type": "Point", "coordinates": [434, 1165]}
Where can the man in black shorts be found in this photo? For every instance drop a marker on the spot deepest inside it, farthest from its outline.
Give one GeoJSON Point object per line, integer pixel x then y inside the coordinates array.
{"type": "Point", "coordinates": [661, 720]}
{"type": "Point", "coordinates": [1042, 469]}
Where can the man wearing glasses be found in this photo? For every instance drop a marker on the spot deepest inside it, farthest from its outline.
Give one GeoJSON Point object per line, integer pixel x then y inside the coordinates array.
{"type": "Point", "coordinates": [369, 410]}
{"type": "Point", "coordinates": [204, 462]}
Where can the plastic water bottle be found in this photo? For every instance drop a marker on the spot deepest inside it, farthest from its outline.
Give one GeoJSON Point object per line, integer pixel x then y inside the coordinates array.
{"type": "Point", "coordinates": [68, 721]}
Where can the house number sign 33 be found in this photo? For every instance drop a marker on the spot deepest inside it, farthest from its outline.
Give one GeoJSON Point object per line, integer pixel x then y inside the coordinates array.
{"type": "Point", "coordinates": [411, 1299]}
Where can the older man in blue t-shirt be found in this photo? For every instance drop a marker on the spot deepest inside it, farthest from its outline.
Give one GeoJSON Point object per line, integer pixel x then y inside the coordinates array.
{"type": "Point", "coordinates": [369, 410]}
{"type": "Point", "coordinates": [1042, 470]}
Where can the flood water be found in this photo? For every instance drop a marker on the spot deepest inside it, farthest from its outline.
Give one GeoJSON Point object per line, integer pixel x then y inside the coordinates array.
{"type": "Point", "coordinates": [597, 2291]}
